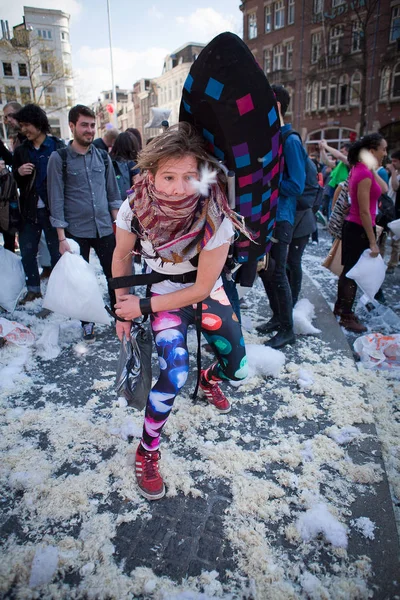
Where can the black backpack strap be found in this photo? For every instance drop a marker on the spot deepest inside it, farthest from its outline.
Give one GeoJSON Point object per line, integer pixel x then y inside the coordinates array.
{"type": "Point", "coordinates": [63, 154]}
{"type": "Point", "coordinates": [288, 133]}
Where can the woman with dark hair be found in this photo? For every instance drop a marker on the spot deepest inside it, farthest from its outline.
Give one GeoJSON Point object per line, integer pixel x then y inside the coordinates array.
{"type": "Point", "coordinates": [124, 155]}
{"type": "Point", "coordinates": [184, 233]}
{"type": "Point", "coordinates": [365, 188]}
{"type": "Point", "coordinates": [137, 135]}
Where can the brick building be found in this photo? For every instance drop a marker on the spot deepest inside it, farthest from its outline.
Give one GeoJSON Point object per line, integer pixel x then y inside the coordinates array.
{"type": "Point", "coordinates": [340, 60]}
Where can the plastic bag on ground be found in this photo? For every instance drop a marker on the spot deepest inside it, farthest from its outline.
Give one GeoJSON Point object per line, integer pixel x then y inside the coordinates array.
{"type": "Point", "coordinates": [133, 377]}
{"type": "Point", "coordinates": [16, 333]}
{"type": "Point", "coordinates": [73, 291]}
{"type": "Point", "coordinates": [368, 273]}
{"type": "Point", "coordinates": [12, 272]}
{"type": "Point", "coordinates": [378, 351]}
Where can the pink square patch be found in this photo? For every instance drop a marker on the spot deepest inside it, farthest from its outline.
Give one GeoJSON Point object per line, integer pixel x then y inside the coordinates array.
{"type": "Point", "coordinates": [245, 104]}
{"type": "Point", "coordinates": [245, 180]}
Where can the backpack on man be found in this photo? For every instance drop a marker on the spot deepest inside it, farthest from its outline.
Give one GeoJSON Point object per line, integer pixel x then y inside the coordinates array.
{"type": "Point", "coordinates": [313, 191]}
{"type": "Point", "coordinates": [123, 173]}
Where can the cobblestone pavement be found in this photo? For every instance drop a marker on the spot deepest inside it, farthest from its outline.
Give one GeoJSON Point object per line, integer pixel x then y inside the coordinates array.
{"type": "Point", "coordinates": [238, 484]}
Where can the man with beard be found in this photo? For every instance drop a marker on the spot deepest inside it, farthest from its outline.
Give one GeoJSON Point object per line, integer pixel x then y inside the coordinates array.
{"type": "Point", "coordinates": [84, 196]}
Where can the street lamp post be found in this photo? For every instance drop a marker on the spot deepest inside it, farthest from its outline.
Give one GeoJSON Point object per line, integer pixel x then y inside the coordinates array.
{"type": "Point", "coordinates": [114, 93]}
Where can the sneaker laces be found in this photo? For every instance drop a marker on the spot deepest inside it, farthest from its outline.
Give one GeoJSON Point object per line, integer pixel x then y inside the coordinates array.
{"type": "Point", "coordinates": [217, 394]}
{"type": "Point", "coordinates": [150, 464]}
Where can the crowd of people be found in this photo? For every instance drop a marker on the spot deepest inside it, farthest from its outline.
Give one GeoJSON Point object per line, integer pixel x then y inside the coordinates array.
{"type": "Point", "coordinates": [120, 200]}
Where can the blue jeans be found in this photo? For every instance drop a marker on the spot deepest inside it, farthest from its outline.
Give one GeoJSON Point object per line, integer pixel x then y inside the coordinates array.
{"type": "Point", "coordinates": [29, 238]}
{"type": "Point", "coordinates": [277, 287]}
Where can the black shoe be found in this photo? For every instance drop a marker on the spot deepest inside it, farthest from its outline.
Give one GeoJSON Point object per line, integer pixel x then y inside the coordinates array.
{"type": "Point", "coordinates": [271, 325]}
{"type": "Point", "coordinates": [46, 272]}
{"type": "Point", "coordinates": [30, 297]}
{"type": "Point", "coordinates": [390, 271]}
{"type": "Point", "coordinates": [281, 339]}
{"type": "Point", "coordinates": [379, 296]}
{"type": "Point", "coordinates": [88, 332]}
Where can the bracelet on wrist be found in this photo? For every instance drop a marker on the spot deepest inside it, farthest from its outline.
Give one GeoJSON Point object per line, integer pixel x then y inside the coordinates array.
{"type": "Point", "coordinates": [145, 306]}
{"type": "Point", "coordinates": [63, 240]}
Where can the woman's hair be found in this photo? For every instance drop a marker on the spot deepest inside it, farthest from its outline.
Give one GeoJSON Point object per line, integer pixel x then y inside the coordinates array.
{"type": "Point", "coordinates": [368, 142]}
{"type": "Point", "coordinates": [126, 147]}
{"type": "Point", "coordinates": [178, 141]}
{"type": "Point", "coordinates": [137, 135]}
{"type": "Point", "coordinates": [34, 115]}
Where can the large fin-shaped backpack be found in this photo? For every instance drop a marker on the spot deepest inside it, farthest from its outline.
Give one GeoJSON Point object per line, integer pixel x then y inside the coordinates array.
{"type": "Point", "coordinates": [228, 100]}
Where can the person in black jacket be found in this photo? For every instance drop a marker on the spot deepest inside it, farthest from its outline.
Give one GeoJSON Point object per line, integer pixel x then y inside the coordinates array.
{"type": "Point", "coordinates": [30, 171]}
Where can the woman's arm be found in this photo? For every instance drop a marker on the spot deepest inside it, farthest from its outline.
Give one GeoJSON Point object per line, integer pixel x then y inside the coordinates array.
{"type": "Point", "coordinates": [211, 263]}
{"type": "Point", "coordinates": [393, 177]}
{"type": "Point", "coordinates": [363, 197]}
{"type": "Point", "coordinates": [122, 266]}
{"type": "Point", "coordinates": [324, 157]}
{"type": "Point", "coordinates": [336, 153]}
{"type": "Point", "coordinates": [382, 184]}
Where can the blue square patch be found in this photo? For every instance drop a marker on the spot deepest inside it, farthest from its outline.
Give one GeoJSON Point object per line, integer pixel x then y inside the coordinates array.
{"type": "Point", "coordinates": [272, 116]}
{"type": "Point", "coordinates": [188, 83]}
{"type": "Point", "coordinates": [214, 88]}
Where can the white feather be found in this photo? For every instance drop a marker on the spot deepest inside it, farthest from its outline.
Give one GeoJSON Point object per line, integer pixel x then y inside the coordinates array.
{"type": "Point", "coordinates": [368, 159]}
{"type": "Point", "coordinates": [207, 178]}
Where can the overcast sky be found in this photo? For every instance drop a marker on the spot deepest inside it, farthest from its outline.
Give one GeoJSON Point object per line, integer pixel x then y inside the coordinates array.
{"type": "Point", "coordinates": [143, 34]}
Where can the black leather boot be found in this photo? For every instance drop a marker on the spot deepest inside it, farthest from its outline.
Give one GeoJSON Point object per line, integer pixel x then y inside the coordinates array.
{"type": "Point", "coordinates": [281, 339]}
{"type": "Point", "coordinates": [271, 325]}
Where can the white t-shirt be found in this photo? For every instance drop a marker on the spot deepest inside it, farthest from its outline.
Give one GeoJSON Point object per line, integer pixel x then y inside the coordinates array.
{"type": "Point", "coordinates": [391, 191]}
{"type": "Point", "coordinates": [223, 235]}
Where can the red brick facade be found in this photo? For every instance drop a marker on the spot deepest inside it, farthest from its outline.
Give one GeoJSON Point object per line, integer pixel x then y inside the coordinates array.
{"type": "Point", "coordinates": [330, 54]}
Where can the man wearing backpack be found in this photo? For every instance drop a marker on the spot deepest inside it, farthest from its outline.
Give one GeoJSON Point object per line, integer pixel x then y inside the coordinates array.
{"type": "Point", "coordinates": [84, 196]}
{"type": "Point", "coordinates": [30, 161]}
{"type": "Point", "coordinates": [291, 187]}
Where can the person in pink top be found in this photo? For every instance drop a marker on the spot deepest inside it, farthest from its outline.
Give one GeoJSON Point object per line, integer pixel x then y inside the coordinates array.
{"type": "Point", "coordinates": [365, 188]}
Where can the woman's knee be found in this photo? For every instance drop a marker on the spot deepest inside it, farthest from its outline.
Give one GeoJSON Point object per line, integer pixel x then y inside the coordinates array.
{"type": "Point", "coordinates": [235, 372]}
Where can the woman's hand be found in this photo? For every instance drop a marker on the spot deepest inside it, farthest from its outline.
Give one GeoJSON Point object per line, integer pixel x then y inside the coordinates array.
{"type": "Point", "coordinates": [374, 250]}
{"type": "Point", "coordinates": [127, 307]}
{"type": "Point", "coordinates": [123, 328]}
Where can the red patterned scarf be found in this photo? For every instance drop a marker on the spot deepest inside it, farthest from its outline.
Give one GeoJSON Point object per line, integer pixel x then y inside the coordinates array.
{"type": "Point", "coordinates": [178, 227]}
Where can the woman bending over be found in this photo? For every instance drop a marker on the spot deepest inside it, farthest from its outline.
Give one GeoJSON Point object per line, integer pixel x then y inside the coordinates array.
{"type": "Point", "coordinates": [185, 236]}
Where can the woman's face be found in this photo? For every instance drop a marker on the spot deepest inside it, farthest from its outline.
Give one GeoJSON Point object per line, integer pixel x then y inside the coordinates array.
{"type": "Point", "coordinates": [174, 176]}
{"type": "Point", "coordinates": [380, 152]}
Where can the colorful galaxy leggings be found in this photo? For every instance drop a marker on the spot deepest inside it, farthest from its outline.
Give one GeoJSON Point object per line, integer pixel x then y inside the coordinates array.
{"type": "Point", "coordinates": [221, 329]}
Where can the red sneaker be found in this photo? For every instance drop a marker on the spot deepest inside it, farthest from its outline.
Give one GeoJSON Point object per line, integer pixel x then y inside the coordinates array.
{"type": "Point", "coordinates": [215, 396]}
{"type": "Point", "coordinates": [149, 480]}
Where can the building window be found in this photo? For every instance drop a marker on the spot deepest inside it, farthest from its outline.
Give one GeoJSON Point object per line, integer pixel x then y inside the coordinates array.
{"type": "Point", "coordinates": [279, 14]}
{"type": "Point", "coordinates": [396, 81]}
{"type": "Point", "coordinates": [49, 96]}
{"type": "Point", "coordinates": [337, 3]}
{"type": "Point", "coordinates": [355, 88]}
{"type": "Point", "coordinates": [334, 40]}
{"type": "Point", "coordinates": [45, 34]}
{"type": "Point", "coordinates": [25, 95]}
{"type": "Point", "coordinates": [252, 26]}
{"type": "Point", "coordinates": [267, 19]}
{"type": "Point", "coordinates": [318, 6]}
{"type": "Point", "coordinates": [315, 47]}
{"type": "Point", "coordinates": [385, 84]}
{"type": "Point", "coordinates": [47, 67]}
{"type": "Point", "coordinates": [7, 69]}
{"type": "Point", "coordinates": [308, 97]}
{"type": "Point", "coordinates": [314, 96]}
{"type": "Point", "coordinates": [322, 95]}
{"type": "Point", "coordinates": [64, 36]}
{"type": "Point", "coordinates": [289, 110]}
{"type": "Point", "coordinates": [332, 92]}
{"type": "Point", "coordinates": [343, 90]}
{"type": "Point", "coordinates": [278, 57]}
{"type": "Point", "coordinates": [290, 16]}
{"type": "Point", "coordinates": [356, 36]}
{"type": "Point", "coordinates": [289, 55]}
{"type": "Point", "coordinates": [267, 62]}
{"type": "Point", "coordinates": [395, 24]}
{"type": "Point", "coordinates": [22, 70]}
{"type": "Point", "coordinates": [10, 93]}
